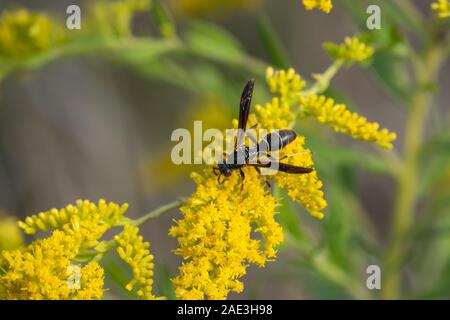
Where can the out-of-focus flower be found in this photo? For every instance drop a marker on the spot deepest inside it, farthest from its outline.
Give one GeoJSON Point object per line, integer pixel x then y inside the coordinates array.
{"type": "Point", "coordinates": [113, 18]}
{"type": "Point", "coordinates": [201, 8]}
{"type": "Point", "coordinates": [24, 33]}
{"type": "Point", "coordinates": [216, 238]}
{"type": "Point", "coordinates": [135, 252]}
{"type": "Point", "coordinates": [442, 7]}
{"type": "Point", "coordinates": [39, 271]}
{"type": "Point", "coordinates": [352, 50]}
{"type": "Point", "coordinates": [10, 235]}
{"type": "Point", "coordinates": [161, 170]}
{"type": "Point", "coordinates": [340, 119]}
{"type": "Point", "coordinates": [324, 5]}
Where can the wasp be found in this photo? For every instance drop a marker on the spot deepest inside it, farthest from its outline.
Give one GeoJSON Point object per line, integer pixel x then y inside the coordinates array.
{"type": "Point", "coordinates": [244, 155]}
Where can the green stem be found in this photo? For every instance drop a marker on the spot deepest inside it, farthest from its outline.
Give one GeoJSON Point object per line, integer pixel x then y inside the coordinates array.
{"type": "Point", "coordinates": [323, 79]}
{"type": "Point", "coordinates": [412, 12]}
{"type": "Point", "coordinates": [106, 246]}
{"type": "Point", "coordinates": [157, 212]}
{"type": "Point", "coordinates": [425, 73]}
{"type": "Point", "coordinates": [322, 83]}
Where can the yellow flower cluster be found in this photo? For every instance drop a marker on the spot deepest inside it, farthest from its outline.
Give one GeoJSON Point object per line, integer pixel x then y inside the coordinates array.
{"type": "Point", "coordinates": [91, 282]}
{"type": "Point", "coordinates": [10, 235]}
{"type": "Point", "coordinates": [338, 117]}
{"type": "Point", "coordinates": [105, 213]}
{"type": "Point", "coordinates": [324, 109]}
{"type": "Point", "coordinates": [135, 252]}
{"type": "Point", "coordinates": [352, 50]}
{"type": "Point", "coordinates": [216, 237]}
{"type": "Point", "coordinates": [305, 189]}
{"type": "Point", "coordinates": [324, 5]}
{"type": "Point", "coordinates": [442, 7]}
{"type": "Point", "coordinates": [39, 271]}
{"type": "Point", "coordinates": [284, 83]}
{"type": "Point", "coordinates": [24, 33]}
{"type": "Point", "coordinates": [276, 114]}
{"type": "Point", "coordinates": [113, 18]}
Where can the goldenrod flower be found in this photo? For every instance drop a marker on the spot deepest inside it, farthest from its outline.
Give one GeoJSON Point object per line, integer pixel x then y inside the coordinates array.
{"type": "Point", "coordinates": [216, 238]}
{"type": "Point", "coordinates": [340, 119]}
{"type": "Point", "coordinates": [39, 271]}
{"type": "Point", "coordinates": [113, 18]}
{"type": "Point", "coordinates": [10, 235]}
{"type": "Point", "coordinates": [442, 7]}
{"type": "Point", "coordinates": [104, 213]}
{"type": "Point", "coordinates": [324, 5]}
{"type": "Point", "coordinates": [352, 50]}
{"type": "Point", "coordinates": [276, 114]}
{"type": "Point", "coordinates": [91, 282]}
{"type": "Point", "coordinates": [135, 252]}
{"type": "Point", "coordinates": [305, 189]}
{"type": "Point", "coordinates": [284, 83]}
{"type": "Point", "coordinates": [24, 33]}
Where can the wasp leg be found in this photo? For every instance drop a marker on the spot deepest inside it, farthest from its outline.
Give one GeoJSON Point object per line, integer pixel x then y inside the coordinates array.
{"type": "Point", "coordinates": [218, 179]}
{"type": "Point", "coordinates": [264, 178]}
{"type": "Point", "coordinates": [216, 171]}
{"type": "Point", "coordinates": [243, 178]}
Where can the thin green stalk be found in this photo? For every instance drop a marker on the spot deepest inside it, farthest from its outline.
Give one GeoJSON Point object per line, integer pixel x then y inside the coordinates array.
{"type": "Point", "coordinates": [157, 212]}
{"type": "Point", "coordinates": [411, 11]}
{"type": "Point", "coordinates": [323, 79]}
{"type": "Point", "coordinates": [105, 246]}
{"type": "Point", "coordinates": [425, 73]}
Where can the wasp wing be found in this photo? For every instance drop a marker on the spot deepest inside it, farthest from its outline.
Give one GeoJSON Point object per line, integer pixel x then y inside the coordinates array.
{"type": "Point", "coordinates": [283, 167]}
{"type": "Point", "coordinates": [244, 111]}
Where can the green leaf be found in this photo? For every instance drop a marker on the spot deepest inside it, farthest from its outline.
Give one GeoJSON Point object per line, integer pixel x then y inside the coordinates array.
{"type": "Point", "coordinates": [392, 74]}
{"type": "Point", "coordinates": [163, 19]}
{"type": "Point", "coordinates": [434, 161]}
{"type": "Point", "coordinates": [210, 40]}
{"type": "Point", "coordinates": [272, 44]}
{"type": "Point", "coordinates": [117, 275]}
{"type": "Point", "coordinates": [288, 217]}
{"type": "Point", "coordinates": [337, 226]}
{"type": "Point", "coordinates": [391, 14]}
{"type": "Point", "coordinates": [163, 282]}
{"type": "Point", "coordinates": [85, 255]}
{"type": "Point", "coordinates": [329, 157]}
